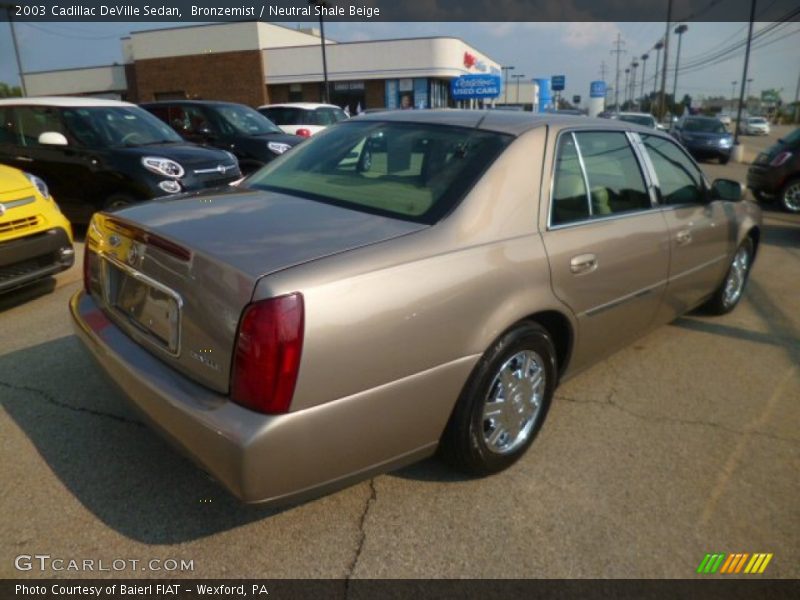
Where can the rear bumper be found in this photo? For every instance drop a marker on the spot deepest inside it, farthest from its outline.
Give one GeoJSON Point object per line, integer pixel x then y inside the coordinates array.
{"type": "Point", "coordinates": [704, 150]}
{"type": "Point", "coordinates": [276, 458]}
{"type": "Point", "coordinates": [34, 256]}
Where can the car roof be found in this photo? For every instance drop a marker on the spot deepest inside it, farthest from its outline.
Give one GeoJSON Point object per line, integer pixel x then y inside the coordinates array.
{"type": "Point", "coordinates": [512, 122]}
{"type": "Point", "coordinates": [196, 102]}
{"type": "Point", "coordinates": [63, 101]}
{"type": "Point", "coordinates": [636, 114]}
{"type": "Point", "coordinates": [302, 105]}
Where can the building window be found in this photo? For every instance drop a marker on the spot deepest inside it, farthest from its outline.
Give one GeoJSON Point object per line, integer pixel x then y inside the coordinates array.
{"type": "Point", "coordinates": [296, 92]}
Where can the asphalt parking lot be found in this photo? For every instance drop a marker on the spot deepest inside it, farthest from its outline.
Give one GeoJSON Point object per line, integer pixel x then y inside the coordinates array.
{"type": "Point", "coordinates": [685, 443]}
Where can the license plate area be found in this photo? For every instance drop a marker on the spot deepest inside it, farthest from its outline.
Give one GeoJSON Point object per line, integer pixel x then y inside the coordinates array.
{"type": "Point", "coordinates": [148, 306]}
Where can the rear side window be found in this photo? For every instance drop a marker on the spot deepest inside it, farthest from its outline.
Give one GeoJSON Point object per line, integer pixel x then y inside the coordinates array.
{"type": "Point", "coordinates": [604, 161]}
{"type": "Point", "coordinates": [679, 180]}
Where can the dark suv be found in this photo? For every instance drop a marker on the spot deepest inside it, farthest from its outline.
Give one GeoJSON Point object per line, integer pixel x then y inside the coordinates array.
{"type": "Point", "coordinates": [252, 137]}
{"type": "Point", "coordinates": [704, 137]}
{"type": "Point", "coordinates": [775, 173]}
{"type": "Point", "coordinates": [100, 154]}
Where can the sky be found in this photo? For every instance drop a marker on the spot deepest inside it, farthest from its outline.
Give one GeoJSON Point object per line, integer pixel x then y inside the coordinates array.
{"type": "Point", "coordinates": [538, 49]}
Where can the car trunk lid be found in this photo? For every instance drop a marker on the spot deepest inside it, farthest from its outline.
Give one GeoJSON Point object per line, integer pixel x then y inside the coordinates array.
{"type": "Point", "coordinates": [175, 274]}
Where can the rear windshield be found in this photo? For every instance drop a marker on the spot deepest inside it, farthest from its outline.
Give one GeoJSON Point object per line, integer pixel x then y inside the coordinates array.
{"type": "Point", "coordinates": [288, 115]}
{"type": "Point", "coordinates": [417, 172]}
{"type": "Point", "coordinates": [705, 126]}
{"type": "Point", "coordinates": [757, 120]}
{"type": "Point", "coordinates": [639, 120]}
{"type": "Point", "coordinates": [115, 126]}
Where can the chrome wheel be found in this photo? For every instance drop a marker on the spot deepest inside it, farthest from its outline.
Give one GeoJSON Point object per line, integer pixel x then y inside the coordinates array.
{"type": "Point", "coordinates": [791, 197]}
{"type": "Point", "coordinates": [514, 402]}
{"type": "Point", "coordinates": [734, 284]}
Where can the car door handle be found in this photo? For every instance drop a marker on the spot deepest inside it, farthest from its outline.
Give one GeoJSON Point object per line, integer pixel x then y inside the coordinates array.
{"type": "Point", "coordinates": [583, 263]}
{"type": "Point", "coordinates": [23, 158]}
{"type": "Point", "coordinates": [683, 237]}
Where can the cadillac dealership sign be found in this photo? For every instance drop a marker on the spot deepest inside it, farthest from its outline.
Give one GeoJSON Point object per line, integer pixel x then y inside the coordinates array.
{"type": "Point", "coordinates": [467, 87]}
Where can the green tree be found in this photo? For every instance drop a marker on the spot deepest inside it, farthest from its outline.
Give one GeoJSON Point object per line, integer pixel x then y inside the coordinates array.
{"type": "Point", "coordinates": [9, 91]}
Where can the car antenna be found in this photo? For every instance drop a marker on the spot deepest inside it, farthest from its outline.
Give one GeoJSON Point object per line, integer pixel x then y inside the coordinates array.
{"type": "Point", "coordinates": [462, 150]}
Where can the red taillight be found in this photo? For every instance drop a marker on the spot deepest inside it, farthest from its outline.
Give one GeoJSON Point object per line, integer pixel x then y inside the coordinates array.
{"type": "Point", "coordinates": [780, 159]}
{"type": "Point", "coordinates": [303, 132]}
{"type": "Point", "coordinates": [267, 357]}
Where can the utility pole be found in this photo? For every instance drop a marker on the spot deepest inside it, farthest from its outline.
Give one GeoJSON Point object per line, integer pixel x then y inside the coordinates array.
{"type": "Point", "coordinates": [733, 94]}
{"type": "Point", "coordinates": [603, 70]}
{"type": "Point", "coordinates": [662, 105]}
{"type": "Point", "coordinates": [8, 8]}
{"type": "Point", "coordinates": [617, 50]}
{"type": "Point", "coordinates": [744, 72]}
{"type": "Point", "coordinates": [326, 92]}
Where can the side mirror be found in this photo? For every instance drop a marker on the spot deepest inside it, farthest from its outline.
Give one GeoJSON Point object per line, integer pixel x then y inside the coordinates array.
{"type": "Point", "coordinates": [727, 189]}
{"type": "Point", "coordinates": [52, 138]}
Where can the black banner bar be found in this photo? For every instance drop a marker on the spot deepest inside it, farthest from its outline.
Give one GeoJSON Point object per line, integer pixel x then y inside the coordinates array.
{"type": "Point", "coordinates": [392, 10]}
{"type": "Point", "coordinates": [401, 589]}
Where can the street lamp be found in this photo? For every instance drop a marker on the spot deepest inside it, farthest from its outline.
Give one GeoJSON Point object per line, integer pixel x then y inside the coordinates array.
{"type": "Point", "coordinates": [505, 87]}
{"type": "Point", "coordinates": [644, 70]}
{"type": "Point", "coordinates": [659, 45]}
{"type": "Point", "coordinates": [517, 77]}
{"type": "Point", "coordinates": [326, 94]}
{"type": "Point", "coordinates": [627, 88]}
{"type": "Point", "coordinates": [634, 66]}
{"type": "Point", "coordinates": [679, 30]}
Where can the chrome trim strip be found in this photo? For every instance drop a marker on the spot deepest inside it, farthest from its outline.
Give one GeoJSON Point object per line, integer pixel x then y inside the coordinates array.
{"type": "Point", "coordinates": [625, 215]}
{"type": "Point", "coordinates": [152, 283]}
{"type": "Point", "coordinates": [223, 171]}
{"type": "Point", "coordinates": [697, 268]}
{"type": "Point", "coordinates": [627, 298]}
{"type": "Point", "coordinates": [21, 202]}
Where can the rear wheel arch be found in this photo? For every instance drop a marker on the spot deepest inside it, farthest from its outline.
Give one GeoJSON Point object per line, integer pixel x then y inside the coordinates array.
{"type": "Point", "coordinates": [754, 233]}
{"type": "Point", "coordinates": [561, 332]}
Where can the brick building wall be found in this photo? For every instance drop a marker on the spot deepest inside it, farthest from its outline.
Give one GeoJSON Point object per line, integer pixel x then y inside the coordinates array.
{"type": "Point", "coordinates": [230, 76]}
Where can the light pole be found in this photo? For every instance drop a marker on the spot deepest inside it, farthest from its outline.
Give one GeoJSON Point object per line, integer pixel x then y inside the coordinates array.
{"type": "Point", "coordinates": [634, 66]}
{"type": "Point", "coordinates": [517, 77]}
{"type": "Point", "coordinates": [744, 71]}
{"type": "Point", "coordinates": [679, 30]}
{"type": "Point", "coordinates": [326, 94]}
{"type": "Point", "coordinates": [505, 87]}
{"type": "Point", "coordinates": [659, 45]}
{"type": "Point", "coordinates": [627, 88]}
{"type": "Point", "coordinates": [733, 94]}
{"type": "Point", "coordinates": [747, 94]}
{"type": "Point", "coordinates": [662, 104]}
{"type": "Point", "coordinates": [644, 70]}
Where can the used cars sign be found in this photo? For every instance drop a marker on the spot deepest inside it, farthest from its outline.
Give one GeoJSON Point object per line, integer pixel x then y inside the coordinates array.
{"type": "Point", "coordinates": [475, 86]}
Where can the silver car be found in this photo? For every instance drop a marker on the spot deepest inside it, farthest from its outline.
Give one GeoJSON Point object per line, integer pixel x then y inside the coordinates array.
{"type": "Point", "coordinates": [401, 283]}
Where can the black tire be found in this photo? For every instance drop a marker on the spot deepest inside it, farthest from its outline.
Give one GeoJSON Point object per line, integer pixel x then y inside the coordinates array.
{"type": "Point", "coordinates": [722, 303]}
{"type": "Point", "coordinates": [723, 160]}
{"type": "Point", "coordinates": [117, 202]}
{"type": "Point", "coordinates": [463, 443]}
{"type": "Point", "coordinates": [790, 196]}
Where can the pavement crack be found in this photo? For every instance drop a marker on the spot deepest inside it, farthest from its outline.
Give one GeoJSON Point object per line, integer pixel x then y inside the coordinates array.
{"type": "Point", "coordinates": [373, 497]}
{"type": "Point", "coordinates": [609, 401]}
{"type": "Point", "coordinates": [50, 399]}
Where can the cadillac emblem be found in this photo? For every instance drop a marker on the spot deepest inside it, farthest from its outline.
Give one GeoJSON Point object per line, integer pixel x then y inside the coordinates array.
{"type": "Point", "coordinates": [133, 255]}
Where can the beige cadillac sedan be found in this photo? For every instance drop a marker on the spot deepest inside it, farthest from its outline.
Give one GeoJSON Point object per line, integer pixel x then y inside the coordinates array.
{"type": "Point", "coordinates": [401, 283]}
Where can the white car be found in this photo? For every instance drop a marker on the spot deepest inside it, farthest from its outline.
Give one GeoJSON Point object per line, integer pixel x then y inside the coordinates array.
{"type": "Point", "coordinates": [303, 118]}
{"type": "Point", "coordinates": [756, 126]}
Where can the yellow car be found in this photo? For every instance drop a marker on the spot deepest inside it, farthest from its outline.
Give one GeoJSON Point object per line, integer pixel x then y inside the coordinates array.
{"type": "Point", "coordinates": [35, 238]}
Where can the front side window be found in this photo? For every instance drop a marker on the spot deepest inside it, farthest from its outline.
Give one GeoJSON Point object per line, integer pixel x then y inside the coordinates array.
{"type": "Point", "coordinates": [33, 121]}
{"type": "Point", "coordinates": [409, 171]}
{"type": "Point", "coordinates": [115, 126]}
{"type": "Point", "coordinates": [679, 180]}
{"type": "Point", "coordinates": [605, 161]}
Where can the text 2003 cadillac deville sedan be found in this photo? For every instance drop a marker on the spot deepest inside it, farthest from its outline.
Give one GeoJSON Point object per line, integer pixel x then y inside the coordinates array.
{"type": "Point", "coordinates": [400, 283]}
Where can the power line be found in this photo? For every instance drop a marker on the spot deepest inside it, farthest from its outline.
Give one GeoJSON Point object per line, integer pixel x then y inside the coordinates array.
{"type": "Point", "coordinates": [617, 50]}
